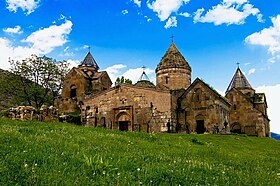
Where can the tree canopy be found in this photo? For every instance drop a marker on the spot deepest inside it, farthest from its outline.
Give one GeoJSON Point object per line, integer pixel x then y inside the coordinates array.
{"type": "Point", "coordinates": [122, 80]}
{"type": "Point", "coordinates": [37, 80]}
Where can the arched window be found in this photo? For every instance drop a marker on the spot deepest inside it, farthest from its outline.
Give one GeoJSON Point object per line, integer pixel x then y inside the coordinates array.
{"type": "Point", "coordinates": [73, 91]}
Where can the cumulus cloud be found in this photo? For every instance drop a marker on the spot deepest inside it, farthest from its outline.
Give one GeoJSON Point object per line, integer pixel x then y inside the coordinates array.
{"type": "Point", "coordinates": [273, 101]}
{"type": "Point", "coordinates": [15, 30]}
{"type": "Point", "coordinates": [73, 63]}
{"type": "Point", "coordinates": [228, 12]}
{"type": "Point", "coordinates": [27, 6]}
{"type": "Point", "coordinates": [114, 71]}
{"type": "Point", "coordinates": [252, 71]}
{"type": "Point", "coordinates": [171, 22]}
{"type": "Point", "coordinates": [164, 8]}
{"type": "Point", "coordinates": [39, 42]}
{"type": "Point", "coordinates": [137, 2]}
{"type": "Point", "coordinates": [268, 37]}
{"type": "Point", "coordinates": [135, 73]}
{"type": "Point", "coordinates": [185, 14]}
{"type": "Point", "coordinates": [45, 40]}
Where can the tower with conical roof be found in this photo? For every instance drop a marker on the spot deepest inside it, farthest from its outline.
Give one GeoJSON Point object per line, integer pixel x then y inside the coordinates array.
{"type": "Point", "coordinates": [173, 72]}
{"type": "Point", "coordinates": [89, 63]}
{"type": "Point", "coordinates": [240, 82]}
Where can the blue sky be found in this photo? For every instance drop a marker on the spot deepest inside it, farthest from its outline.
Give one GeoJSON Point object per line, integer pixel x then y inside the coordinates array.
{"type": "Point", "coordinates": [124, 35]}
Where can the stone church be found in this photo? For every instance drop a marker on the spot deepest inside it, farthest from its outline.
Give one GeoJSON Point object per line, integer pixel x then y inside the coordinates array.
{"type": "Point", "coordinates": [174, 104]}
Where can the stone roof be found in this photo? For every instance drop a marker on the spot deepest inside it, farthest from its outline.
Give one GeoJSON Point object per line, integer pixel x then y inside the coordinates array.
{"type": "Point", "coordinates": [89, 61]}
{"type": "Point", "coordinates": [239, 81]}
{"type": "Point", "coordinates": [173, 59]}
{"type": "Point", "coordinates": [145, 83]}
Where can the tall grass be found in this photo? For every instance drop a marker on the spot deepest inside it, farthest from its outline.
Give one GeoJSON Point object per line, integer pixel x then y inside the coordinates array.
{"type": "Point", "coordinates": [34, 153]}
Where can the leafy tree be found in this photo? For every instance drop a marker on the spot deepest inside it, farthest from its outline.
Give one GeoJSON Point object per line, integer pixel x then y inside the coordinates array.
{"type": "Point", "coordinates": [40, 79]}
{"type": "Point", "coordinates": [122, 80]}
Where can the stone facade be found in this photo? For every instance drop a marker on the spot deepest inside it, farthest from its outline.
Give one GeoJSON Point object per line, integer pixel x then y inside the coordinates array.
{"type": "Point", "coordinates": [81, 81]}
{"type": "Point", "coordinates": [201, 109]}
{"type": "Point", "coordinates": [247, 117]}
{"type": "Point", "coordinates": [174, 104]}
{"type": "Point", "coordinates": [128, 108]}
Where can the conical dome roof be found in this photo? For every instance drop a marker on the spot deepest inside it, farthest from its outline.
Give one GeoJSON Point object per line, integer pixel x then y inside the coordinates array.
{"type": "Point", "coordinates": [144, 81]}
{"type": "Point", "coordinates": [173, 59]}
{"type": "Point", "coordinates": [89, 61]}
{"type": "Point", "coordinates": [239, 81]}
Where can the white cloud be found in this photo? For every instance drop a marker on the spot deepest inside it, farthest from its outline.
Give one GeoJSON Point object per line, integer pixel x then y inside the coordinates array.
{"type": "Point", "coordinates": [137, 2]}
{"type": "Point", "coordinates": [124, 12]}
{"type": "Point", "coordinates": [252, 71]}
{"type": "Point", "coordinates": [164, 8]}
{"type": "Point", "coordinates": [27, 6]}
{"type": "Point", "coordinates": [135, 73]}
{"type": "Point", "coordinates": [114, 71]}
{"type": "Point", "coordinates": [268, 37]}
{"type": "Point", "coordinates": [73, 63]}
{"type": "Point", "coordinates": [228, 12]}
{"type": "Point", "coordinates": [185, 14]}
{"type": "Point", "coordinates": [45, 40]}
{"type": "Point", "coordinates": [16, 30]}
{"type": "Point", "coordinates": [40, 42]}
{"type": "Point", "coordinates": [272, 95]}
{"type": "Point", "coordinates": [171, 22]}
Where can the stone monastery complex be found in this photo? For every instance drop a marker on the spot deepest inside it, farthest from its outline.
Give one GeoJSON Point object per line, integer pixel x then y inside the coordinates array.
{"type": "Point", "coordinates": [174, 104]}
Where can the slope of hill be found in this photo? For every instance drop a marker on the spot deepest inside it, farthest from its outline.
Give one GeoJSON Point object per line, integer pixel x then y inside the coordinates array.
{"type": "Point", "coordinates": [275, 136]}
{"type": "Point", "coordinates": [62, 154]}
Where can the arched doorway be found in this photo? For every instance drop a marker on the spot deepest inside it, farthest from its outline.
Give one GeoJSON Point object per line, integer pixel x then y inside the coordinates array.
{"type": "Point", "coordinates": [200, 128]}
{"type": "Point", "coordinates": [124, 121]}
{"type": "Point", "coordinates": [235, 128]}
{"type": "Point", "coordinates": [73, 91]}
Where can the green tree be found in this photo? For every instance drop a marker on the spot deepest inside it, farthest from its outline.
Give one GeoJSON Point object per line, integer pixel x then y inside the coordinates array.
{"type": "Point", "coordinates": [122, 80]}
{"type": "Point", "coordinates": [40, 79]}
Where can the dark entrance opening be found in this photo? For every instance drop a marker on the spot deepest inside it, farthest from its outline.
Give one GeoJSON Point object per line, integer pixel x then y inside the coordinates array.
{"type": "Point", "coordinates": [235, 128]}
{"type": "Point", "coordinates": [200, 129]}
{"type": "Point", "coordinates": [123, 125]}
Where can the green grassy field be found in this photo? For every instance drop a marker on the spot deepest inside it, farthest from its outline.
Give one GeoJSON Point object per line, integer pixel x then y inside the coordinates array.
{"type": "Point", "coordinates": [34, 153]}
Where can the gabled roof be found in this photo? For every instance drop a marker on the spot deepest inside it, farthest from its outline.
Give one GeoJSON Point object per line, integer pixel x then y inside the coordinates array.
{"type": "Point", "coordinates": [196, 81]}
{"type": "Point", "coordinates": [173, 58]}
{"type": "Point", "coordinates": [251, 101]}
{"type": "Point", "coordinates": [239, 81]}
{"type": "Point", "coordinates": [89, 61]}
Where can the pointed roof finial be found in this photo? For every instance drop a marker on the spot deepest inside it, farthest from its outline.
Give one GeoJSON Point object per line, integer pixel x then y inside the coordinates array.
{"type": "Point", "coordinates": [238, 64]}
{"type": "Point", "coordinates": [172, 37]}
{"type": "Point", "coordinates": [89, 48]}
{"type": "Point", "coordinates": [143, 67]}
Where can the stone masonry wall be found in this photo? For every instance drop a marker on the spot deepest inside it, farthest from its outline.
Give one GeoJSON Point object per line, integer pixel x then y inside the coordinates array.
{"type": "Point", "coordinates": [145, 109]}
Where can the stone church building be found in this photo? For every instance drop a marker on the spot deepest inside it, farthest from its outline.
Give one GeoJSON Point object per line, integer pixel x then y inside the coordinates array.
{"type": "Point", "coordinates": [174, 104]}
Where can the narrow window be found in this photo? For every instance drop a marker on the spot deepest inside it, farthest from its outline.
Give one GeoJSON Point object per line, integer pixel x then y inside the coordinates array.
{"type": "Point", "coordinates": [234, 107]}
{"type": "Point", "coordinates": [166, 80]}
{"type": "Point", "coordinates": [96, 110]}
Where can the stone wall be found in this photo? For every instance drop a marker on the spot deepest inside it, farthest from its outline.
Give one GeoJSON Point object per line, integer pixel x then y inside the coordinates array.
{"type": "Point", "coordinates": [174, 78]}
{"type": "Point", "coordinates": [201, 106]}
{"type": "Point", "coordinates": [244, 117]}
{"type": "Point", "coordinates": [25, 113]}
{"type": "Point", "coordinates": [142, 109]}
